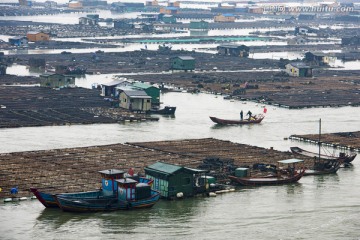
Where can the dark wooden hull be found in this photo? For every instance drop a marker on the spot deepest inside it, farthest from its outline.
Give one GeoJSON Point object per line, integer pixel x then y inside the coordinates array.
{"type": "Point", "coordinates": [49, 201]}
{"type": "Point", "coordinates": [164, 111]}
{"type": "Point", "coordinates": [263, 181]}
{"type": "Point", "coordinates": [300, 151]}
{"type": "Point", "coordinates": [258, 119]}
{"type": "Point", "coordinates": [110, 204]}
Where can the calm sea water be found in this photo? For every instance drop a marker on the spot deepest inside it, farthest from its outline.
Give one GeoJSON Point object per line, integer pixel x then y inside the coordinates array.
{"type": "Point", "coordinates": [318, 207]}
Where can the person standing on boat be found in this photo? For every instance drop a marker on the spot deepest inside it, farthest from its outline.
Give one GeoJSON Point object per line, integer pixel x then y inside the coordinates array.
{"type": "Point", "coordinates": [249, 113]}
{"type": "Point", "coordinates": [241, 115]}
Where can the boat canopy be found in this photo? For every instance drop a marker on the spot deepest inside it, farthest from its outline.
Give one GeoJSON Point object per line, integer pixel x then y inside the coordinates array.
{"type": "Point", "coordinates": [292, 160]}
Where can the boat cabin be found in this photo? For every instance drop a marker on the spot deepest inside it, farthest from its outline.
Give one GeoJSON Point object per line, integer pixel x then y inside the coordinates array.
{"type": "Point", "coordinates": [109, 185]}
{"type": "Point", "coordinates": [131, 190]}
{"type": "Point", "coordinates": [291, 164]}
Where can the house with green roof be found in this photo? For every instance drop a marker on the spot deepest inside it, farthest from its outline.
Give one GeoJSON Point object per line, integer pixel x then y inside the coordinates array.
{"type": "Point", "coordinates": [170, 180]}
{"type": "Point", "coordinates": [152, 91]}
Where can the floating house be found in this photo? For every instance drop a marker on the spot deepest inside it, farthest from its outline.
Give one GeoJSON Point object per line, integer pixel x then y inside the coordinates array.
{"type": "Point", "coordinates": [173, 180]}
{"type": "Point", "coordinates": [56, 80]}
{"type": "Point", "coordinates": [199, 28]}
{"type": "Point", "coordinates": [318, 58]}
{"type": "Point", "coordinates": [135, 100]}
{"type": "Point", "coordinates": [37, 62]}
{"type": "Point", "coordinates": [151, 3]}
{"type": "Point", "coordinates": [223, 8]}
{"type": "Point", "coordinates": [19, 41]}
{"type": "Point", "coordinates": [306, 16]}
{"type": "Point", "coordinates": [34, 36]}
{"type": "Point", "coordinates": [87, 21]}
{"type": "Point", "coordinates": [168, 18]}
{"type": "Point", "coordinates": [298, 40]}
{"type": "Point", "coordinates": [111, 89]}
{"type": "Point", "coordinates": [298, 69]}
{"type": "Point", "coordinates": [3, 67]}
{"type": "Point", "coordinates": [169, 10]}
{"type": "Point", "coordinates": [233, 50]}
{"type": "Point", "coordinates": [226, 17]}
{"type": "Point", "coordinates": [123, 24]}
{"type": "Point", "coordinates": [50, 4]}
{"type": "Point", "coordinates": [350, 41]}
{"type": "Point", "coordinates": [75, 4]}
{"type": "Point", "coordinates": [186, 63]}
{"type": "Point", "coordinates": [150, 90]}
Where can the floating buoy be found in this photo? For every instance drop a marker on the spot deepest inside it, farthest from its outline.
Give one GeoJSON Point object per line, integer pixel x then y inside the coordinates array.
{"type": "Point", "coordinates": [212, 194]}
{"type": "Point", "coordinates": [232, 190]}
{"type": "Point", "coordinates": [8, 200]}
{"type": "Point", "coordinates": [23, 198]}
{"type": "Point", "coordinates": [180, 195]}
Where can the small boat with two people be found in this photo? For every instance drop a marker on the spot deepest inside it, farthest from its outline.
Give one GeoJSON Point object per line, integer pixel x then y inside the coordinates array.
{"type": "Point", "coordinates": [254, 119]}
{"type": "Point", "coordinates": [291, 174]}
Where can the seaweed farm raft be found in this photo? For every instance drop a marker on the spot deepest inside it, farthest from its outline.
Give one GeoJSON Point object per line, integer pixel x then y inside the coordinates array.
{"type": "Point", "coordinates": [73, 169]}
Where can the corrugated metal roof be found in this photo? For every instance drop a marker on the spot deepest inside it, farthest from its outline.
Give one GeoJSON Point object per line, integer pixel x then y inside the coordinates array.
{"type": "Point", "coordinates": [142, 85]}
{"type": "Point", "coordinates": [111, 171]}
{"type": "Point", "coordinates": [33, 32]}
{"type": "Point", "coordinates": [113, 83]}
{"type": "Point", "coordinates": [136, 94]}
{"type": "Point", "coordinates": [186, 58]}
{"type": "Point", "coordinates": [165, 167]}
{"type": "Point", "coordinates": [299, 65]}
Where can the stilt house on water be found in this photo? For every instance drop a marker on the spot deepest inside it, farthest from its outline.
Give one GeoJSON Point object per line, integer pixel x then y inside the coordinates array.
{"type": "Point", "coordinates": [176, 181]}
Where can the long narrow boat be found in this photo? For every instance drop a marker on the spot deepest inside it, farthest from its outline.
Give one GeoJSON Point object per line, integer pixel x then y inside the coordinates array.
{"type": "Point", "coordinates": [129, 196]}
{"type": "Point", "coordinates": [256, 119]}
{"type": "Point", "coordinates": [262, 181]}
{"type": "Point", "coordinates": [343, 157]}
{"type": "Point", "coordinates": [167, 110]}
{"type": "Point", "coordinates": [290, 175]}
{"type": "Point", "coordinates": [107, 191]}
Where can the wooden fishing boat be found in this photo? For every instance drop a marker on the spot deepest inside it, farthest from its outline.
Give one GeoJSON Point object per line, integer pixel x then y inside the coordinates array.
{"type": "Point", "coordinates": [282, 176]}
{"type": "Point", "coordinates": [323, 167]}
{"type": "Point", "coordinates": [343, 158]}
{"type": "Point", "coordinates": [130, 195]}
{"type": "Point", "coordinates": [108, 188]}
{"type": "Point", "coordinates": [346, 158]}
{"type": "Point", "coordinates": [107, 191]}
{"type": "Point", "coordinates": [167, 110]}
{"type": "Point", "coordinates": [255, 119]}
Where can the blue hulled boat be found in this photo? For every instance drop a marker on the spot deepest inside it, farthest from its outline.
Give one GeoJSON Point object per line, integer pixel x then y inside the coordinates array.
{"type": "Point", "coordinates": [108, 190]}
{"type": "Point", "coordinates": [130, 195]}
